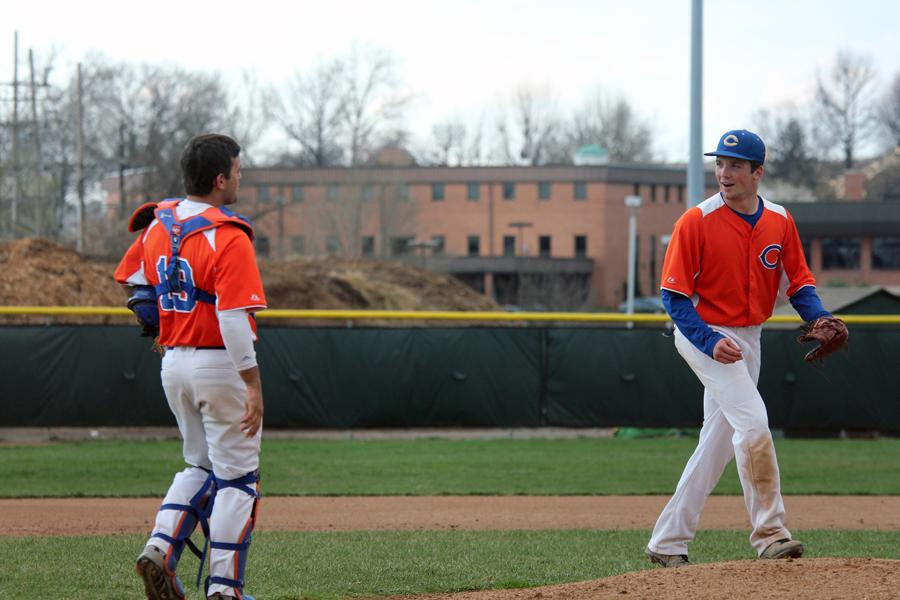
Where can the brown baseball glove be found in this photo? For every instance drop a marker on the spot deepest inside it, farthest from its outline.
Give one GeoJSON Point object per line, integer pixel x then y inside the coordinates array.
{"type": "Point", "coordinates": [831, 335]}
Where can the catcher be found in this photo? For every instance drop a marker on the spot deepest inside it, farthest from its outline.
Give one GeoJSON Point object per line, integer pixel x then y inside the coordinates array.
{"type": "Point", "coordinates": [196, 286]}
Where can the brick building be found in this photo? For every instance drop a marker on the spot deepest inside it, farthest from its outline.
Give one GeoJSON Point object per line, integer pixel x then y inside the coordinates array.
{"type": "Point", "coordinates": [537, 237]}
{"type": "Point", "coordinates": [534, 236]}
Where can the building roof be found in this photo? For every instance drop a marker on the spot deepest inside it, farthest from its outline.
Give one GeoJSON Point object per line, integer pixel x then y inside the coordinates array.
{"type": "Point", "coordinates": [843, 299]}
{"type": "Point", "coordinates": [862, 218]}
{"type": "Point", "coordinates": [616, 174]}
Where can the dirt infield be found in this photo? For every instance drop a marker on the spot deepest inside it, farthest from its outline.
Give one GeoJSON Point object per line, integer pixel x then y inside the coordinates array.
{"type": "Point", "coordinates": [101, 516]}
{"type": "Point", "coordinates": [804, 579]}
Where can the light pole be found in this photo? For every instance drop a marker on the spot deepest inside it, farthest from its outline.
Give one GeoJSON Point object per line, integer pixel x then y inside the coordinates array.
{"type": "Point", "coordinates": [520, 225]}
{"type": "Point", "coordinates": [696, 178]}
{"type": "Point", "coordinates": [633, 203]}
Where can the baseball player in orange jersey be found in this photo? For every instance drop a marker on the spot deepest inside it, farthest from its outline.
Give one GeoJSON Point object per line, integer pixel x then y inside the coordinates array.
{"type": "Point", "coordinates": [728, 259]}
{"type": "Point", "coordinates": [193, 268]}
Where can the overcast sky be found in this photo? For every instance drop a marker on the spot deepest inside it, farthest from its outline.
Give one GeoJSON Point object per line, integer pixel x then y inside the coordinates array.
{"type": "Point", "coordinates": [462, 57]}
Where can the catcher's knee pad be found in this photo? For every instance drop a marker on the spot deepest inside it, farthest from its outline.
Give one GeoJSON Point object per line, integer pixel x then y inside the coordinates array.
{"type": "Point", "coordinates": [196, 511]}
{"type": "Point", "coordinates": [234, 519]}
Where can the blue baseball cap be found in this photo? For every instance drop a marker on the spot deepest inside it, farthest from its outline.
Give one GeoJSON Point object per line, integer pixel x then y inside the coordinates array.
{"type": "Point", "coordinates": [740, 143]}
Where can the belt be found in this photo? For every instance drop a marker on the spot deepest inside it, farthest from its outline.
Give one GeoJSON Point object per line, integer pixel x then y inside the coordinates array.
{"type": "Point", "coordinates": [197, 347]}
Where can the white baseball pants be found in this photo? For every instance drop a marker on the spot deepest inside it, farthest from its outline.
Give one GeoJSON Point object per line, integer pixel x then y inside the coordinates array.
{"type": "Point", "coordinates": [735, 425]}
{"type": "Point", "coordinates": [207, 397]}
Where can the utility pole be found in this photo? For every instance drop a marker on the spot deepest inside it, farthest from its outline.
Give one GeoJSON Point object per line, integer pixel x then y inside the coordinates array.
{"type": "Point", "coordinates": [14, 225]}
{"type": "Point", "coordinates": [79, 120]}
{"type": "Point", "coordinates": [39, 200]}
{"type": "Point", "coordinates": [123, 201]}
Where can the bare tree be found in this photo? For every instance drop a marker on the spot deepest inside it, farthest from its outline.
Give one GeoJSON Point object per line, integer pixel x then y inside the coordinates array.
{"type": "Point", "coordinates": [375, 103]}
{"type": "Point", "coordinates": [454, 142]}
{"type": "Point", "coordinates": [845, 104]}
{"type": "Point", "coordinates": [138, 119]}
{"type": "Point", "coordinates": [530, 134]}
{"type": "Point", "coordinates": [613, 124]}
{"type": "Point", "coordinates": [789, 152]}
{"type": "Point", "coordinates": [312, 112]}
{"type": "Point", "coordinates": [35, 146]}
{"type": "Point", "coordinates": [890, 110]}
{"type": "Point", "coordinates": [449, 138]}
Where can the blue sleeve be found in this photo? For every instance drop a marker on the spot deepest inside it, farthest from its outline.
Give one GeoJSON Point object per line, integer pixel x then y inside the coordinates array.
{"type": "Point", "coordinates": [807, 304]}
{"type": "Point", "coordinates": [689, 323]}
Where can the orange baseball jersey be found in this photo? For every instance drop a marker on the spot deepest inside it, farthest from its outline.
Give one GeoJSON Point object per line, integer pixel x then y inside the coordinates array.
{"type": "Point", "coordinates": [216, 269]}
{"type": "Point", "coordinates": [733, 271]}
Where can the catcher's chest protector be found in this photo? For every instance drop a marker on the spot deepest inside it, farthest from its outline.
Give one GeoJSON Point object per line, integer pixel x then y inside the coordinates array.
{"type": "Point", "coordinates": [173, 279]}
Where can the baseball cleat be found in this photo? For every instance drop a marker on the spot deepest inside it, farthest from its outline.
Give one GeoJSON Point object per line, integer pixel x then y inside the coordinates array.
{"type": "Point", "coordinates": [159, 584]}
{"type": "Point", "coordinates": [783, 549]}
{"type": "Point", "coordinates": [667, 560]}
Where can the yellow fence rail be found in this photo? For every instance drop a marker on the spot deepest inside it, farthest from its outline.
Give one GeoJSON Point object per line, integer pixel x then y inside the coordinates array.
{"type": "Point", "coordinates": [426, 315]}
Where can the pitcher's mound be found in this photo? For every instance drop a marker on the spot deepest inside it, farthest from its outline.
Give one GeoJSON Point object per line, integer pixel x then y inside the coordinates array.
{"type": "Point", "coordinates": [801, 579]}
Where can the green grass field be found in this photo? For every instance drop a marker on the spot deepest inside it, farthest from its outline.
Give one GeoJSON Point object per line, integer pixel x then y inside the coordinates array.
{"type": "Point", "coordinates": [438, 466]}
{"type": "Point", "coordinates": [347, 564]}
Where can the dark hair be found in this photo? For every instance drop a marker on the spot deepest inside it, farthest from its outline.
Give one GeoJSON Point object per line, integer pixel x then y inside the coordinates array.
{"type": "Point", "coordinates": [204, 158]}
{"type": "Point", "coordinates": [754, 165]}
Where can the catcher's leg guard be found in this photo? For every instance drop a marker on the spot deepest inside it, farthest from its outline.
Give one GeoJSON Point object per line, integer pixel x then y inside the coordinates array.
{"type": "Point", "coordinates": [231, 524]}
{"type": "Point", "coordinates": [174, 524]}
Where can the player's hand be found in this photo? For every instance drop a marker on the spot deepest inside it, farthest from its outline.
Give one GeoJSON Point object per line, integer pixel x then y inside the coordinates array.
{"type": "Point", "coordinates": [252, 419]}
{"type": "Point", "coordinates": [727, 352]}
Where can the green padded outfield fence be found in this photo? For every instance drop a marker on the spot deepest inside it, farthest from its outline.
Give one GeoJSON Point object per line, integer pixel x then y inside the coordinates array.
{"type": "Point", "coordinates": [542, 369]}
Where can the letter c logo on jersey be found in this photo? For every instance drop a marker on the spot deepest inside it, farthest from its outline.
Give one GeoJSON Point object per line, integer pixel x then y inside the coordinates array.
{"type": "Point", "coordinates": [769, 256]}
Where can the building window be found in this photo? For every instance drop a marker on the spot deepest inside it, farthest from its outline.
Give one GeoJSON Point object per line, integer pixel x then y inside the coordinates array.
{"type": "Point", "coordinates": [400, 245]}
{"type": "Point", "coordinates": [680, 194]}
{"type": "Point", "coordinates": [437, 191]}
{"type": "Point", "coordinates": [474, 245]}
{"type": "Point", "coordinates": [509, 245]}
{"type": "Point", "coordinates": [840, 253]}
{"type": "Point", "coordinates": [509, 191]}
{"type": "Point", "coordinates": [580, 190]}
{"type": "Point", "coordinates": [474, 191]}
{"type": "Point", "coordinates": [637, 190]}
{"type": "Point", "coordinates": [332, 245]}
{"type": "Point", "coordinates": [652, 192]}
{"type": "Point", "coordinates": [580, 246]}
{"type": "Point", "coordinates": [263, 246]}
{"type": "Point", "coordinates": [334, 191]}
{"type": "Point", "coordinates": [544, 246]}
{"type": "Point", "coordinates": [368, 245]}
{"type": "Point", "coordinates": [438, 244]}
{"type": "Point", "coordinates": [368, 192]}
{"type": "Point", "coordinates": [886, 253]}
{"type": "Point", "coordinates": [807, 249]}
{"type": "Point", "coordinates": [262, 193]}
{"type": "Point", "coordinates": [298, 245]}
{"type": "Point", "coordinates": [666, 193]}
{"type": "Point", "coordinates": [544, 190]}
{"type": "Point", "coordinates": [403, 191]}
{"type": "Point", "coordinates": [297, 192]}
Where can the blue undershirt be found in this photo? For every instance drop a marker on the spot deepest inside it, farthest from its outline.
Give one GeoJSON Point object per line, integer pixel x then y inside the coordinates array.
{"type": "Point", "coordinates": [805, 301]}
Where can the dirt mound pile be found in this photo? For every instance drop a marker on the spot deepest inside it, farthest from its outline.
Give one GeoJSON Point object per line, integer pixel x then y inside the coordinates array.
{"type": "Point", "coordinates": [342, 283]}
{"type": "Point", "coordinates": [42, 273]}
{"type": "Point", "coordinates": [803, 579]}
{"type": "Point", "coordinates": [39, 272]}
